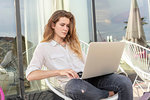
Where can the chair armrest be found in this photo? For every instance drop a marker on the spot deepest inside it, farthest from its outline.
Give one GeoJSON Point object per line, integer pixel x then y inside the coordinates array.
{"type": "Point", "coordinates": [56, 91]}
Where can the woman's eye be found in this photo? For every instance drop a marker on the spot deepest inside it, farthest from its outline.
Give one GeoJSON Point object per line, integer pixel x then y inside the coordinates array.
{"type": "Point", "coordinates": [62, 24]}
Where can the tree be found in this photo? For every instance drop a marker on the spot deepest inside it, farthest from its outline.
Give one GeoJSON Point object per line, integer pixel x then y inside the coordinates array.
{"type": "Point", "coordinates": [143, 21]}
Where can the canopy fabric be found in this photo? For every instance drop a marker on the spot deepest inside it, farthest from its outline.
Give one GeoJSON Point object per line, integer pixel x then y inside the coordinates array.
{"type": "Point", "coordinates": [135, 31]}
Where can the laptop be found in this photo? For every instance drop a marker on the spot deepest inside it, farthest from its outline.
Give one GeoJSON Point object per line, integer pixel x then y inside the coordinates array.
{"type": "Point", "coordinates": [102, 58]}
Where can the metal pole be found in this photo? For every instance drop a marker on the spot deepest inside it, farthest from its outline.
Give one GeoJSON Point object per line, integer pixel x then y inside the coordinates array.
{"type": "Point", "coordinates": [94, 21]}
{"type": "Point", "coordinates": [19, 49]}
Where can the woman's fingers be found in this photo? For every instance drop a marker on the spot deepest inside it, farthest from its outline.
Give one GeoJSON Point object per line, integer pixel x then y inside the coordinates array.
{"type": "Point", "coordinates": [69, 73]}
{"type": "Point", "coordinates": [69, 76]}
{"type": "Point", "coordinates": [75, 74]}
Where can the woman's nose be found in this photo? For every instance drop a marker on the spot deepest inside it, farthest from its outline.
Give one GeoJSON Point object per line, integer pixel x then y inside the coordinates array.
{"type": "Point", "coordinates": [65, 28]}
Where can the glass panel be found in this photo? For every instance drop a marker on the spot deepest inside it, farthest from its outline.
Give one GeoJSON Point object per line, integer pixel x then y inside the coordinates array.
{"type": "Point", "coordinates": [111, 17]}
{"type": "Point", "coordinates": [33, 21]}
{"type": "Point", "coordinates": [83, 23]}
{"type": "Point", "coordinates": [8, 53]}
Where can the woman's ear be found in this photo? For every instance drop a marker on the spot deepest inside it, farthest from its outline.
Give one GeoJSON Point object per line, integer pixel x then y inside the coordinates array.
{"type": "Point", "coordinates": [53, 25]}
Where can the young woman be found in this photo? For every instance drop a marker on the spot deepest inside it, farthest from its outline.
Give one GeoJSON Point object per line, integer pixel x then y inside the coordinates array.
{"type": "Point", "coordinates": [61, 53]}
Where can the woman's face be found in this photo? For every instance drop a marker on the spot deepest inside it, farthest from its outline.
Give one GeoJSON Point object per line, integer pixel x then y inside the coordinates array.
{"type": "Point", "coordinates": [61, 28]}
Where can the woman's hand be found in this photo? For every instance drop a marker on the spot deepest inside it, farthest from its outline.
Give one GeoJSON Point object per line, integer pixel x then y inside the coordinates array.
{"type": "Point", "coordinates": [69, 73]}
{"type": "Point", "coordinates": [42, 74]}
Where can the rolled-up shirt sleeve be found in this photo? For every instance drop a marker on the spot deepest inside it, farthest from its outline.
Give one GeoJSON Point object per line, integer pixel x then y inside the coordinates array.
{"type": "Point", "coordinates": [37, 60]}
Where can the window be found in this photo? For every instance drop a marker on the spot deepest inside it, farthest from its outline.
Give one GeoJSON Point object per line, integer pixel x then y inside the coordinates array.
{"type": "Point", "coordinates": [111, 16]}
{"type": "Point", "coordinates": [8, 55]}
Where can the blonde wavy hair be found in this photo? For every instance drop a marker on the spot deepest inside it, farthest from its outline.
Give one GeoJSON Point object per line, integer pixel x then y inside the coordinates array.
{"type": "Point", "coordinates": [71, 38]}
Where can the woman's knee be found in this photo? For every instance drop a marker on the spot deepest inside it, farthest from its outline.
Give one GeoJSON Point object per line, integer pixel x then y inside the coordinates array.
{"type": "Point", "coordinates": [125, 87]}
{"type": "Point", "coordinates": [76, 89]}
{"type": "Point", "coordinates": [125, 82]}
{"type": "Point", "coordinates": [74, 86]}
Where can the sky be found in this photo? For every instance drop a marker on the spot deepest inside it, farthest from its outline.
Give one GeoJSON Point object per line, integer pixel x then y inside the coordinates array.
{"type": "Point", "coordinates": [111, 15]}
{"type": "Point", "coordinates": [7, 17]}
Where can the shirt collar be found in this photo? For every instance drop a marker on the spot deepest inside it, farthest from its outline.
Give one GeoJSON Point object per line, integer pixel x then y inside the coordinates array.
{"type": "Point", "coordinates": [53, 43]}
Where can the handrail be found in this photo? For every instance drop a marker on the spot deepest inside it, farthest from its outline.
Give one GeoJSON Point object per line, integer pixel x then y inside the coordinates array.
{"type": "Point", "coordinates": [129, 42]}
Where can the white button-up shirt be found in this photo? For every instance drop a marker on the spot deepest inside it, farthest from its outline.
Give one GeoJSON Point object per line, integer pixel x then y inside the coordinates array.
{"type": "Point", "coordinates": [55, 57]}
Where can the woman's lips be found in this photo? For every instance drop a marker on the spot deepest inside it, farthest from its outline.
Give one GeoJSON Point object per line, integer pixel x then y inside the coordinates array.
{"type": "Point", "coordinates": [64, 33]}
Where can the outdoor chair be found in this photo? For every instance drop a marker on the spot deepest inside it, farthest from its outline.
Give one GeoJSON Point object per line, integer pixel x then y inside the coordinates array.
{"type": "Point", "coordinates": [140, 64]}
{"type": "Point", "coordinates": [60, 92]}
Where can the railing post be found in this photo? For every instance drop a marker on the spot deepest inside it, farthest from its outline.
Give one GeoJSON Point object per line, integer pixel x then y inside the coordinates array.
{"type": "Point", "coordinates": [19, 49]}
{"type": "Point", "coordinates": [94, 21]}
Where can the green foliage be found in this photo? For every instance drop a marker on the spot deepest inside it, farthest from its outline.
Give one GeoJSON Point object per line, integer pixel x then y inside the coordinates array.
{"type": "Point", "coordinates": [143, 21]}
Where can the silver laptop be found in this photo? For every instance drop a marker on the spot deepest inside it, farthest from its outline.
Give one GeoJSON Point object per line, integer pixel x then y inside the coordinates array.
{"type": "Point", "coordinates": [102, 58]}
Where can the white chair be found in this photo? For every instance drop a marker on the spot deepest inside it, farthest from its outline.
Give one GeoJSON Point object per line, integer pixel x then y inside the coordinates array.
{"type": "Point", "coordinates": [138, 58]}
{"type": "Point", "coordinates": [60, 93]}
